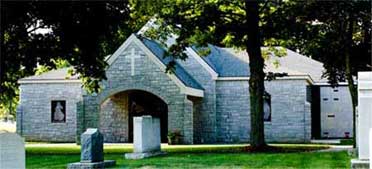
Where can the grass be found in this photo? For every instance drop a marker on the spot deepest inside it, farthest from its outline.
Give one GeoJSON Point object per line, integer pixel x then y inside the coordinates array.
{"type": "Point", "coordinates": [61, 149]}
{"type": "Point", "coordinates": [195, 156]}
{"type": "Point", "coordinates": [346, 142]}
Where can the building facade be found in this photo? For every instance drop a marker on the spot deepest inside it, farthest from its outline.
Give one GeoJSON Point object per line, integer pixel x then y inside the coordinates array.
{"type": "Point", "coordinates": [206, 99]}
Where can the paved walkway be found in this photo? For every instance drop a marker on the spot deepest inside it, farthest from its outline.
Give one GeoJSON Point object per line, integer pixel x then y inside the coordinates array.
{"type": "Point", "coordinates": [337, 148]}
{"type": "Point", "coordinates": [326, 141]}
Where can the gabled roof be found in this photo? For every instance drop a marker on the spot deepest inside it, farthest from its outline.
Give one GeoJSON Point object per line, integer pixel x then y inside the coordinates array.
{"type": "Point", "coordinates": [229, 62]}
{"type": "Point", "coordinates": [186, 83]}
{"type": "Point", "coordinates": [152, 49]}
{"type": "Point", "coordinates": [225, 64]}
{"type": "Point", "coordinates": [180, 72]}
{"type": "Point", "coordinates": [57, 76]}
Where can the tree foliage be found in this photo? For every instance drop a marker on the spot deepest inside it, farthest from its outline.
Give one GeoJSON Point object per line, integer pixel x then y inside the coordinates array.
{"type": "Point", "coordinates": [82, 33]}
{"type": "Point", "coordinates": [319, 29]}
{"type": "Point", "coordinates": [337, 33]}
{"type": "Point", "coordinates": [225, 23]}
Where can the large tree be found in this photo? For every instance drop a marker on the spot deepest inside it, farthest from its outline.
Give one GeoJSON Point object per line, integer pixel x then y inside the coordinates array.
{"type": "Point", "coordinates": [218, 22]}
{"type": "Point", "coordinates": [336, 33]}
{"type": "Point", "coordinates": [82, 33]}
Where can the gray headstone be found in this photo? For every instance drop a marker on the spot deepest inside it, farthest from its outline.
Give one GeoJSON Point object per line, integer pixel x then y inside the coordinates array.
{"type": "Point", "coordinates": [146, 134]}
{"type": "Point", "coordinates": [91, 152]}
{"type": "Point", "coordinates": [12, 151]}
{"type": "Point", "coordinates": [91, 146]}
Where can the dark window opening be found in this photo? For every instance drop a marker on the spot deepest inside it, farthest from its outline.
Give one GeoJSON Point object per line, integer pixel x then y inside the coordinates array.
{"type": "Point", "coordinates": [58, 111]}
{"type": "Point", "coordinates": [335, 99]}
{"type": "Point", "coordinates": [325, 99]}
{"type": "Point", "coordinates": [309, 94]}
{"type": "Point", "coordinates": [331, 116]}
{"type": "Point", "coordinates": [336, 90]}
{"type": "Point", "coordinates": [267, 106]}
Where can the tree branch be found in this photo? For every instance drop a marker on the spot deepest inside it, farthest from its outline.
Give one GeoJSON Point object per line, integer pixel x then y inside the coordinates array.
{"type": "Point", "coordinates": [42, 26]}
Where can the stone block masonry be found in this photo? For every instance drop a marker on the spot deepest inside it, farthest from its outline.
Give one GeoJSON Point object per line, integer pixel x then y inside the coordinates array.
{"type": "Point", "coordinates": [147, 77]}
{"type": "Point", "coordinates": [290, 112]}
{"type": "Point", "coordinates": [113, 118]}
{"type": "Point", "coordinates": [36, 113]}
{"type": "Point", "coordinates": [204, 107]}
{"type": "Point", "coordinates": [205, 115]}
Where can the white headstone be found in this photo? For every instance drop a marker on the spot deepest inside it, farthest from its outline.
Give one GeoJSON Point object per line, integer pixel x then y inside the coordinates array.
{"type": "Point", "coordinates": [146, 134]}
{"type": "Point", "coordinates": [12, 151]}
{"type": "Point", "coordinates": [364, 113]}
{"type": "Point", "coordinates": [370, 148]}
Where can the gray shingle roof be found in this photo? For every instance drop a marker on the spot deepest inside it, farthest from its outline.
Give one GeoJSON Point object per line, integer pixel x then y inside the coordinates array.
{"type": "Point", "coordinates": [223, 61]}
{"type": "Point", "coordinates": [180, 72]}
{"type": "Point", "coordinates": [229, 62]}
{"type": "Point", "coordinates": [58, 74]}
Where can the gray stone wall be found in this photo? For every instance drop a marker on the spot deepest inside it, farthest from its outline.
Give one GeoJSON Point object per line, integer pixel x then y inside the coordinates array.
{"type": "Point", "coordinates": [205, 109]}
{"type": "Point", "coordinates": [223, 115]}
{"type": "Point", "coordinates": [233, 111]}
{"type": "Point", "coordinates": [291, 115]}
{"type": "Point", "coordinates": [35, 110]}
{"type": "Point", "coordinates": [113, 119]}
{"type": "Point", "coordinates": [148, 77]}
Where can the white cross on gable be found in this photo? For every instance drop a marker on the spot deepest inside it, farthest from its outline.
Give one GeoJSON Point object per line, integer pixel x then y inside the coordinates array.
{"type": "Point", "coordinates": [132, 56]}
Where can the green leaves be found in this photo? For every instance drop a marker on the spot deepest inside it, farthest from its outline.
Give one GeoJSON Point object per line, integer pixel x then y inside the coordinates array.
{"type": "Point", "coordinates": [82, 34]}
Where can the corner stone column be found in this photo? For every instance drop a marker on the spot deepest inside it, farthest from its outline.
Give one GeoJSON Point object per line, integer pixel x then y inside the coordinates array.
{"type": "Point", "coordinates": [19, 120]}
{"type": "Point", "coordinates": [87, 115]}
{"type": "Point", "coordinates": [188, 120]}
{"type": "Point", "coordinates": [79, 120]}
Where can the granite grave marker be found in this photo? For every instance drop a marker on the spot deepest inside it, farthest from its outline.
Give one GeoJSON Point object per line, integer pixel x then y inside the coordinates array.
{"type": "Point", "coordinates": [91, 151]}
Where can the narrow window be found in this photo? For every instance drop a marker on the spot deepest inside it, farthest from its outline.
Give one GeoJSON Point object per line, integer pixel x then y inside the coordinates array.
{"type": "Point", "coordinates": [335, 90]}
{"type": "Point", "coordinates": [325, 99]}
{"type": "Point", "coordinates": [331, 116]}
{"type": "Point", "coordinates": [58, 111]}
{"type": "Point", "coordinates": [335, 99]}
{"type": "Point", "coordinates": [267, 106]}
{"type": "Point", "coordinates": [325, 134]}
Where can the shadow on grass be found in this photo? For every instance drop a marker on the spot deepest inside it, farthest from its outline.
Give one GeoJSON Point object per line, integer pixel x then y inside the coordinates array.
{"type": "Point", "coordinates": [65, 150]}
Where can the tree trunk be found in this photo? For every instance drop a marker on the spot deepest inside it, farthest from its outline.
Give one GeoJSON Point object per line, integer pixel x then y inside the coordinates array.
{"type": "Point", "coordinates": [348, 73]}
{"type": "Point", "coordinates": [353, 93]}
{"type": "Point", "coordinates": [256, 81]}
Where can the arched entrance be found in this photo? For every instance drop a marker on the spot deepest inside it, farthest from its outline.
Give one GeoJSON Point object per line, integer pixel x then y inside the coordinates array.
{"type": "Point", "coordinates": [118, 110]}
{"type": "Point", "coordinates": [144, 103]}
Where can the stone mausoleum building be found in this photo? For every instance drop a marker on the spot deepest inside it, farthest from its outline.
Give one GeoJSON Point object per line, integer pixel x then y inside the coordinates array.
{"type": "Point", "coordinates": [206, 99]}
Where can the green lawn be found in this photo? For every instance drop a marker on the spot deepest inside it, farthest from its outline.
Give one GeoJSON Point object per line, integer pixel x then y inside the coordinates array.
{"type": "Point", "coordinates": [202, 156]}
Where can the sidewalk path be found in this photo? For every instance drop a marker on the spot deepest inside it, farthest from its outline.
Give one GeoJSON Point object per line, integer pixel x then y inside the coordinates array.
{"type": "Point", "coordinates": [337, 148]}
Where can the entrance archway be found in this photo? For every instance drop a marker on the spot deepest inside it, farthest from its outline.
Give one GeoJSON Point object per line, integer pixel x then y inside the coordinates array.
{"type": "Point", "coordinates": [117, 112]}
{"type": "Point", "coordinates": [144, 103]}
